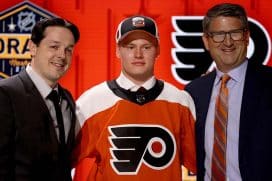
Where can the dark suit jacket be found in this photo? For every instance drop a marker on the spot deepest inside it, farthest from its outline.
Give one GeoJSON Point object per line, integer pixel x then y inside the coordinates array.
{"type": "Point", "coordinates": [255, 145]}
{"type": "Point", "coordinates": [29, 149]}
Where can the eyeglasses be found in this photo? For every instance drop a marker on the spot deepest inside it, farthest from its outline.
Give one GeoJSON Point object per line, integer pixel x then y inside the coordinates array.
{"type": "Point", "coordinates": [235, 35]}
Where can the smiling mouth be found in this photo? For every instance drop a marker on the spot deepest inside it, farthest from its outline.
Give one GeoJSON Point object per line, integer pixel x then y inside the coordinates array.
{"type": "Point", "coordinates": [228, 50]}
{"type": "Point", "coordinates": [58, 64]}
{"type": "Point", "coordinates": [138, 63]}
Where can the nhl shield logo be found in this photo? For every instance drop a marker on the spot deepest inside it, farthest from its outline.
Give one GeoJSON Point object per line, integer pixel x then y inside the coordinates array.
{"type": "Point", "coordinates": [15, 29]}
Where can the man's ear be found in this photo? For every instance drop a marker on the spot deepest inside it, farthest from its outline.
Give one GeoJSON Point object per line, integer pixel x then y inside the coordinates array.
{"type": "Point", "coordinates": [205, 41]}
{"type": "Point", "coordinates": [158, 49]}
{"type": "Point", "coordinates": [117, 51]}
{"type": "Point", "coordinates": [32, 48]}
{"type": "Point", "coordinates": [247, 37]}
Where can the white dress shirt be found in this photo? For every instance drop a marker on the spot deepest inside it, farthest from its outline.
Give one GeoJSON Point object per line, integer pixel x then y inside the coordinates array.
{"type": "Point", "coordinates": [235, 86]}
{"type": "Point", "coordinates": [45, 90]}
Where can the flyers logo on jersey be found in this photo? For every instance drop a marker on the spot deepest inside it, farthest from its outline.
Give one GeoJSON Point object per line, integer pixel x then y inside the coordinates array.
{"type": "Point", "coordinates": [134, 145]}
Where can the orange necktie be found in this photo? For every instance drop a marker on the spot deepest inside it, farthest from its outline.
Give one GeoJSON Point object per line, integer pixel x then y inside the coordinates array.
{"type": "Point", "coordinates": [220, 132]}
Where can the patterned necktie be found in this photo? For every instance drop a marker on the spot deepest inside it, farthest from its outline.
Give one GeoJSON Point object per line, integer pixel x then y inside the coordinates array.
{"type": "Point", "coordinates": [220, 132]}
{"type": "Point", "coordinates": [54, 97]}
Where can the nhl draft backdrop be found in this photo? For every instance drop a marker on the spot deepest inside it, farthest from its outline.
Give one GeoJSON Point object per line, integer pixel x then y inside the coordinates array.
{"type": "Point", "coordinates": [182, 57]}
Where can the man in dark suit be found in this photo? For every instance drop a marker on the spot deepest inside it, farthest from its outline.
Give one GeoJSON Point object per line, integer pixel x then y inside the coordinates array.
{"type": "Point", "coordinates": [34, 144]}
{"type": "Point", "coordinates": [247, 153]}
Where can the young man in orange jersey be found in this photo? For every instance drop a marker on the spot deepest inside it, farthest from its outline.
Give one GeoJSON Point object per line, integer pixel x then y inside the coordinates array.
{"type": "Point", "coordinates": [135, 127]}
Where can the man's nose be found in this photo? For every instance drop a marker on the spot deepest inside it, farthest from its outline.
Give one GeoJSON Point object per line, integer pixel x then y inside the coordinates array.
{"type": "Point", "coordinates": [138, 52]}
{"type": "Point", "coordinates": [61, 53]}
{"type": "Point", "coordinates": [228, 40]}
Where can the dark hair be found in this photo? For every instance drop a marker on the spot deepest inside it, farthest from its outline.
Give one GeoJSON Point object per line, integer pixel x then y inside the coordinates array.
{"type": "Point", "coordinates": [227, 10]}
{"type": "Point", "coordinates": [38, 31]}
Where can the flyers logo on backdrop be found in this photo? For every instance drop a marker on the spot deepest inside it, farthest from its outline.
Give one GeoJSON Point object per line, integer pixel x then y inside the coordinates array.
{"type": "Point", "coordinates": [192, 60]}
{"type": "Point", "coordinates": [16, 24]}
{"type": "Point", "coordinates": [134, 145]}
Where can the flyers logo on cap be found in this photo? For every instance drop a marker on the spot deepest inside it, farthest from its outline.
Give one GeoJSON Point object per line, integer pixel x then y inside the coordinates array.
{"type": "Point", "coordinates": [16, 26]}
{"type": "Point", "coordinates": [138, 22]}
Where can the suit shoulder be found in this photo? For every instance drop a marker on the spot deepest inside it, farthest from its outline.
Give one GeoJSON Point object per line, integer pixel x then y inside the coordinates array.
{"type": "Point", "coordinates": [12, 85]}
{"type": "Point", "coordinates": [199, 81]}
{"type": "Point", "coordinates": [267, 70]}
{"type": "Point", "coordinates": [261, 72]}
{"type": "Point", "coordinates": [10, 81]}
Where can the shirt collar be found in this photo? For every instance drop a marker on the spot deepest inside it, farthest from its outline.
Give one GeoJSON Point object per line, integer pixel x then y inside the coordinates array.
{"type": "Point", "coordinates": [237, 74]}
{"type": "Point", "coordinates": [39, 82]}
{"type": "Point", "coordinates": [127, 84]}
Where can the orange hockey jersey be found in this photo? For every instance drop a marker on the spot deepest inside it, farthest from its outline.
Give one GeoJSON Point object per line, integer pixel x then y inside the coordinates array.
{"type": "Point", "coordinates": [130, 137]}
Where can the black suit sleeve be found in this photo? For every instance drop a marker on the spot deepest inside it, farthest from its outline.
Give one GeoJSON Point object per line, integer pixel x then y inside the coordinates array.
{"type": "Point", "coordinates": [7, 135]}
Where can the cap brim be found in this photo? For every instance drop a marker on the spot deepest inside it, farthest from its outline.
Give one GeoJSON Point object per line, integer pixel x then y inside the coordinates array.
{"type": "Point", "coordinates": [137, 34]}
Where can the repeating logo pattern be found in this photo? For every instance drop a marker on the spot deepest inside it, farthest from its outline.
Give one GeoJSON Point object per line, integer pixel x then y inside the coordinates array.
{"type": "Point", "coordinates": [16, 24]}
{"type": "Point", "coordinates": [134, 145]}
{"type": "Point", "coordinates": [191, 60]}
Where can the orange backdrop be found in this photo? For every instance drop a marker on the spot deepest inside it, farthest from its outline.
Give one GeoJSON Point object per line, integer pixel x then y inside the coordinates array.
{"type": "Point", "coordinates": [95, 60]}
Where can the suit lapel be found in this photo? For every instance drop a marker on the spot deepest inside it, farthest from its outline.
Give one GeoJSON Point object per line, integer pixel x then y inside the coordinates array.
{"type": "Point", "coordinates": [35, 100]}
{"type": "Point", "coordinates": [206, 87]}
{"type": "Point", "coordinates": [201, 94]}
{"type": "Point", "coordinates": [249, 101]}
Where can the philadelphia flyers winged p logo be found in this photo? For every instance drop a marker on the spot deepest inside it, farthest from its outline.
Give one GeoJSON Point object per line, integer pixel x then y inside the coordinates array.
{"type": "Point", "coordinates": [134, 145]}
{"type": "Point", "coordinates": [191, 60]}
